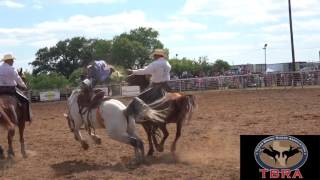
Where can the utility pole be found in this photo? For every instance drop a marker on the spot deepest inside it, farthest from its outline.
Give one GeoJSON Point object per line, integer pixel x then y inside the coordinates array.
{"type": "Point", "coordinates": [319, 61]}
{"type": "Point", "coordinates": [291, 35]}
{"type": "Point", "coordinates": [265, 58]}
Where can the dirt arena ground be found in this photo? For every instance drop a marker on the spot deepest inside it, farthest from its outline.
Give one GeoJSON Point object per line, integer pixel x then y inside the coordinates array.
{"type": "Point", "coordinates": [208, 148]}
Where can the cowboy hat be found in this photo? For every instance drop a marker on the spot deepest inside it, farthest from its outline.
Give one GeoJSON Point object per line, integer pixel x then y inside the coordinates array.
{"type": "Point", "coordinates": [159, 52]}
{"type": "Point", "coordinates": [7, 57]}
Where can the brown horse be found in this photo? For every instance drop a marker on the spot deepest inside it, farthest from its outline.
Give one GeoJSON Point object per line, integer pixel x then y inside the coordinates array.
{"type": "Point", "coordinates": [11, 116]}
{"type": "Point", "coordinates": [180, 107]}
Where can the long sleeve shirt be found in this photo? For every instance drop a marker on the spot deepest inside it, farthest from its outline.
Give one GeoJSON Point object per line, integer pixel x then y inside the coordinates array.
{"type": "Point", "coordinates": [10, 77]}
{"type": "Point", "coordinates": [100, 70]}
{"type": "Point", "coordinates": [158, 69]}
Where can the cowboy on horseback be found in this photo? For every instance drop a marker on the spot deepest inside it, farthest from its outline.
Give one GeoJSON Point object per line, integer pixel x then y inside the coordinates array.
{"type": "Point", "coordinates": [97, 72]}
{"type": "Point", "coordinates": [159, 70]}
{"type": "Point", "coordinates": [12, 84]}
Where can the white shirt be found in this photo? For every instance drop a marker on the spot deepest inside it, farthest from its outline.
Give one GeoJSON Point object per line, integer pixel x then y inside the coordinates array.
{"type": "Point", "coordinates": [9, 77]}
{"type": "Point", "coordinates": [159, 69]}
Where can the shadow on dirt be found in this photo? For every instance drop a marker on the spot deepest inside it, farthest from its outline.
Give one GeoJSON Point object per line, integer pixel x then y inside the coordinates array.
{"type": "Point", "coordinates": [126, 165]}
{"type": "Point", "coordinates": [166, 158]}
{"type": "Point", "coordinates": [78, 166]}
{"type": "Point", "coordinates": [5, 164]}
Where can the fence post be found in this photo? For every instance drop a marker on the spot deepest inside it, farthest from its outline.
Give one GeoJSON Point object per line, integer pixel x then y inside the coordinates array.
{"type": "Point", "coordinates": [301, 79]}
{"type": "Point", "coordinates": [121, 89]}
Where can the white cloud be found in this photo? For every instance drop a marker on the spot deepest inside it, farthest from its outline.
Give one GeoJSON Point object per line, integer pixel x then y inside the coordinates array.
{"type": "Point", "coordinates": [11, 4]}
{"type": "Point", "coordinates": [9, 42]}
{"type": "Point", "coordinates": [250, 11]}
{"type": "Point", "coordinates": [92, 1]}
{"type": "Point", "coordinates": [213, 52]}
{"type": "Point", "coordinates": [301, 26]}
{"type": "Point", "coordinates": [92, 27]}
{"type": "Point", "coordinates": [276, 28]}
{"type": "Point", "coordinates": [172, 38]}
{"type": "Point", "coordinates": [216, 36]}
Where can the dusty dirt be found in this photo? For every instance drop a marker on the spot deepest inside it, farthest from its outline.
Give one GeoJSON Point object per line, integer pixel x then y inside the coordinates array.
{"type": "Point", "coordinates": [208, 148]}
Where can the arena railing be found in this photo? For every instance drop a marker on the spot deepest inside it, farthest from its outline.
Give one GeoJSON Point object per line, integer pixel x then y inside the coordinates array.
{"type": "Point", "coordinates": [248, 81]}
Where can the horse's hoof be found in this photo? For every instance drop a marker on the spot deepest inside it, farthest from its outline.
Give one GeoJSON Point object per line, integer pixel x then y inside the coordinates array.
{"type": "Point", "coordinates": [98, 140]}
{"type": "Point", "coordinates": [160, 148]}
{"type": "Point", "coordinates": [2, 157]}
{"type": "Point", "coordinates": [85, 145]}
{"type": "Point", "coordinates": [150, 153]}
{"type": "Point", "coordinates": [173, 149]}
{"type": "Point", "coordinates": [11, 153]}
{"type": "Point", "coordinates": [24, 155]}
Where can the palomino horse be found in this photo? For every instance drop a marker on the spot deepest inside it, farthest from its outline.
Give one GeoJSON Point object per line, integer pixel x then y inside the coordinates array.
{"type": "Point", "coordinates": [180, 107]}
{"type": "Point", "coordinates": [11, 115]}
{"type": "Point", "coordinates": [115, 117]}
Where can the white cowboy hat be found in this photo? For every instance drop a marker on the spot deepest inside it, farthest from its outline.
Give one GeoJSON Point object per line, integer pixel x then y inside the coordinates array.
{"type": "Point", "coordinates": [160, 52]}
{"type": "Point", "coordinates": [7, 57]}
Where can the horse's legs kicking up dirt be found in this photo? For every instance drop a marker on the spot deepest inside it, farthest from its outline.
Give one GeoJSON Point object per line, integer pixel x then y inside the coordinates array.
{"type": "Point", "coordinates": [148, 129]}
{"type": "Point", "coordinates": [94, 136]}
{"type": "Point", "coordinates": [11, 132]}
{"type": "Point", "coordinates": [130, 139]}
{"type": "Point", "coordinates": [78, 137]}
{"type": "Point", "coordinates": [1, 153]}
{"type": "Point", "coordinates": [21, 130]}
{"type": "Point", "coordinates": [160, 147]}
{"type": "Point", "coordinates": [178, 134]}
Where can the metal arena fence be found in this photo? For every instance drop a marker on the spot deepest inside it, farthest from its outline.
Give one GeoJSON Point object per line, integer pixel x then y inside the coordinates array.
{"type": "Point", "coordinates": [270, 80]}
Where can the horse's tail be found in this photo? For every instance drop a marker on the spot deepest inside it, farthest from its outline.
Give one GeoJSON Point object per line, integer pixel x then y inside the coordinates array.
{"type": "Point", "coordinates": [143, 112]}
{"type": "Point", "coordinates": [187, 103]}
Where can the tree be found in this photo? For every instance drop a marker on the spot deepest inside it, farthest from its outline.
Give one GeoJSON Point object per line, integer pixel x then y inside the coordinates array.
{"type": "Point", "coordinates": [70, 54]}
{"type": "Point", "coordinates": [74, 78]}
{"type": "Point", "coordinates": [44, 81]}
{"type": "Point", "coordinates": [102, 49]}
{"type": "Point", "coordinates": [205, 67]}
{"type": "Point", "coordinates": [125, 52]}
{"type": "Point", "coordinates": [197, 68]}
{"type": "Point", "coordinates": [134, 48]}
{"type": "Point", "coordinates": [221, 66]}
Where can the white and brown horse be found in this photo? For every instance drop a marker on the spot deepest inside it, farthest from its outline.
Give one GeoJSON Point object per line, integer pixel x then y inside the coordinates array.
{"type": "Point", "coordinates": [115, 117]}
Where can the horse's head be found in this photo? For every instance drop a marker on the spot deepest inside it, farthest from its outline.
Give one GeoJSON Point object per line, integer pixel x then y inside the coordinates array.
{"type": "Point", "coordinates": [142, 81]}
{"type": "Point", "coordinates": [21, 74]}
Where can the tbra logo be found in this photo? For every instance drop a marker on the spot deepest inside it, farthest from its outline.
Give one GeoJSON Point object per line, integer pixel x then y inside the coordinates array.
{"type": "Point", "coordinates": [280, 156]}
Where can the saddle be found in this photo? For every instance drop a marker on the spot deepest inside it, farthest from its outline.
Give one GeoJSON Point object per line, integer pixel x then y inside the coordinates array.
{"type": "Point", "coordinates": [89, 99]}
{"type": "Point", "coordinates": [23, 102]}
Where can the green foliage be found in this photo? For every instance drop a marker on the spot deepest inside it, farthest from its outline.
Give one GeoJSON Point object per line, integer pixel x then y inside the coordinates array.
{"type": "Point", "coordinates": [124, 52]}
{"type": "Point", "coordinates": [44, 81]}
{"type": "Point", "coordinates": [70, 54]}
{"type": "Point", "coordinates": [74, 78]}
{"type": "Point", "coordinates": [61, 65]}
{"type": "Point", "coordinates": [196, 68]}
{"type": "Point", "coordinates": [221, 66]}
{"type": "Point", "coordinates": [128, 50]}
{"type": "Point", "coordinates": [134, 48]}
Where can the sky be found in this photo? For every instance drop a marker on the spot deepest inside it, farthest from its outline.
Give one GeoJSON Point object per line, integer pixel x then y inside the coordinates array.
{"type": "Point", "coordinates": [232, 30]}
